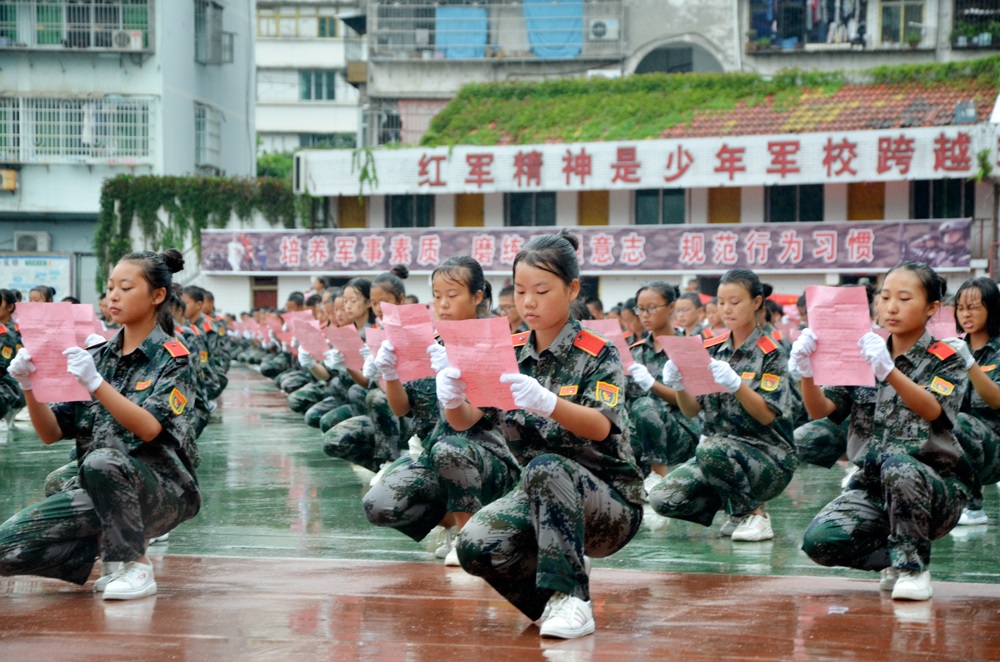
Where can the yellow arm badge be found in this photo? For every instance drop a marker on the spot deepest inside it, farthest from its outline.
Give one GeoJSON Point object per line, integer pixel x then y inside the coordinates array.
{"type": "Point", "coordinates": [142, 386]}
{"type": "Point", "coordinates": [748, 376]}
{"type": "Point", "coordinates": [177, 402]}
{"type": "Point", "coordinates": [569, 390]}
{"type": "Point", "coordinates": [607, 393]}
{"type": "Point", "coordinates": [769, 382]}
{"type": "Point", "coordinates": [204, 356]}
{"type": "Point", "coordinates": [7, 352]}
{"type": "Point", "coordinates": [942, 386]}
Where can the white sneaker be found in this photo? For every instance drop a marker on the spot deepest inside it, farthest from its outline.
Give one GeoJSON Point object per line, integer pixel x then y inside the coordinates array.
{"type": "Point", "coordinates": [381, 472]}
{"type": "Point", "coordinates": [415, 447]}
{"type": "Point", "coordinates": [158, 539]}
{"type": "Point", "coordinates": [730, 525]}
{"type": "Point", "coordinates": [449, 542]}
{"type": "Point", "coordinates": [913, 586]}
{"type": "Point", "coordinates": [451, 559]}
{"type": "Point", "coordinates": [972, 517]}
{"type": "Point", "coordinates": [846, 480]}
{"type": "Point", "coordinates": [133, 581]}
{"type": "Point", "coordinates": [109, 572]}
{"type": "Point", "coordinates": [587, 566]}
{"type": "Point", "coordinates": [569, 617]}
{"type": "Point", "coordinates": [887, 579]}
{"type": "Point", "coordinates": [652, 480]}
{"type": "Point", "coordinates": [754, 528]}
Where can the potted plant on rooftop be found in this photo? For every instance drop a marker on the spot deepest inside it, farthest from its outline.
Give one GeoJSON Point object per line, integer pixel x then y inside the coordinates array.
{"type": "Point", "coordinates": [913, 39]}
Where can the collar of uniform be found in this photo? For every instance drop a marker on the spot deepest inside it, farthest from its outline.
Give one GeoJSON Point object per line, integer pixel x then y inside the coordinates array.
{"type": "Point", "coordinates": [147, 347]}
{"type": "Point", "coordinates": [749, 343]}
{"type": "Point", "coordinates": [560, 345]}
{"type": "Point", "coordinates": [915, 353]}
{"type": "Point", "coordinates": [991, 348]}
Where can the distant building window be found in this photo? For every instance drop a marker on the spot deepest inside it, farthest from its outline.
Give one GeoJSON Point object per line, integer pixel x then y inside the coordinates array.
{"type": "Point", "coordinates": [328, 26]}
{"type": "Point", "coordinates": [207, 138]}
{"type": "Point", "coordinates": [659, 206]}
{"type": "Point", "coordinates": [409, 211]}
{"type": "Point", "coordinates": [794, 204]}
{"type": "Point", "coordinates": [943, 198]}
{"type": "Point", "coordinates": [317, 84]}
{"type": "Point", "coordinates": [211, 44]}
{"type": "Point", "coordinates": [328, 140]}
{"type": "Point", "coordinates": [902, 20]}
{"type": "Point", "coordinates": [299, 22]}
{"type": "Point", "coordinates": [529, 209]}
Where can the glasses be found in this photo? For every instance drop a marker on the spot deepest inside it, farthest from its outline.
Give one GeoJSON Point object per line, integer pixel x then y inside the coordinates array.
{"type": "Point", "coordinates": [505, 309]}
{"type": "Point", "coordinates": [648, 311]}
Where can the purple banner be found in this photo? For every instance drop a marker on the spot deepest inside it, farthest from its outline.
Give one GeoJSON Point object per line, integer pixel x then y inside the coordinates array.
{"type": "Point", "coordinates": [607, 249]}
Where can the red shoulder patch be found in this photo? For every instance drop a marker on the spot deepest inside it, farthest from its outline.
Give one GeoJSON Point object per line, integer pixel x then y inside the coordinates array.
{"type": "Point", "coordinates": [776, 334]}
{"type": "Point", "coordinates": [941, 350]}
{"type": "Point", "coordinates": [716, 340]}
{"type": "Point", "coordinates": [766, 344]}
{"type": "Point", "coordinates": [207, 326]}
{"type": "Point", "coordinates": [589, 342]}
{"type": "Point", "coordinates": [707, 333]}
{"type": "Point", "coordinates": [520, 339]}
{"type": "Point", "coordinates": [637, 343]}
{"type": "Point", "coordinates": [3, 329]}
{"type": "Point", "coordinates": [176, 348]}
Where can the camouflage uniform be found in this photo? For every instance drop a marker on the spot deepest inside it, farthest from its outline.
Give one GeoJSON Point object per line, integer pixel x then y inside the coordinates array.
{"type": "Point", "coordinates": [218, 365]}
{"type": "Point", "coordinates": [127, 490]}
{"type": "Point", "coordinates": [660, 433]}
{"type": "Point", "coordinates": [978, 428]}
{"type": "Point", "coordinates": [742, 463]}
{"type": "Point", "coordinates": [11, 397]}
{"type": "Point", "coordinates": [370, 439]}
{"type": "Point", "coordinates": [821, 442]}
{"type": "Point", "coordinates": [576, 496]}
{"type": "Point", "coordinates": [913, 477]}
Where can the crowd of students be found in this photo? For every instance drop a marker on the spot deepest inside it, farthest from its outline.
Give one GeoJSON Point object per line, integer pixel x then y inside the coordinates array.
{"type": "Point", "coordinates": [527, 496]}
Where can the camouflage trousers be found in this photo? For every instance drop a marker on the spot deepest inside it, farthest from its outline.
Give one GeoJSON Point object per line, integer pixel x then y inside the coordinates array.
{"type": "Point", "coordinates": [724, 474]}
{"type": "Point", "coordinates": [275, 365]}
{"type": "Point", "coordinates": [661, 435]}
{"type": "Point", "coordinates": [890, 520]}
{"type": "Point", "coordinates": [61, 478]}
{"type": "Point", "coordinates": [294, 379]}
{"type": "Point", "coordinates": [302, 399]}
{"type": "Point", "coordinates": [530, 543]}
{"type": "Point", "coordinates": [368, 440]}
{"type": "Point", "coordinates": [981, 444]}
{"type": "Point", "coordinates": [821, 442]}
{"type": "Point", "coordinates": [455, 476]}
{"type": "Point", "coordinates": [11, 397]}
{"type": "Point", "coordinates": [116, 503]}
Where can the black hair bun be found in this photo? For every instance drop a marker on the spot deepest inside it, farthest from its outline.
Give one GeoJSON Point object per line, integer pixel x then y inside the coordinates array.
{"type": "Point", "coordinates": [573, 240]}
{"type": "Point", "coordinates": [400, 271]}
{"type": "Point", "coordinates": [173, 259]}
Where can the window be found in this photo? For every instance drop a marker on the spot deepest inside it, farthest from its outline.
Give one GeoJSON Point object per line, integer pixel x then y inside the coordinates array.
{"type": "Point", "coordinates": [409, 211]}
{"type": "Point", "coordinates": [901, 20]}
{"type": "Point", "coordinates": [789, 23]}
{"type": "Point", "coordinates": [659, 206]}
{"type": "Point", "coordinates": [943, 198]}
{"type": "Point", "coordinates": [211, 44]}
{"type": "Point", "coordinates": [298, 22]}
{"type": "Point", "coordinates": [327, 26]}
{"type": "Point", "coordinates": [207, 137]}
{"type": "Point", "coordinates": [527, 209]}
{"type": "Point", "coordinates": [81, 24]}
{"type": "Point", "coordinates": [790, 204]}
{"type": "Point", "coordinates": [317, 84]}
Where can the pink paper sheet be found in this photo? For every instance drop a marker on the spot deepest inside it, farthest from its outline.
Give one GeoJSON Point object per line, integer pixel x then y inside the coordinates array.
{"type": "Point", "coordinates": [304, 315]}
{"type": "Point", "coordinates": [942, 325]}
{"type": "Point", "coordinates": [411, 331]}
{"type": "Point", "coordinates": [84, 322]}
{"type": "Point", "coordinates": [348, 342]}
{"type": "Point", "coordinates": [482, 350]}
{"type": "Point", "coordinates": [46, 330]}
{"type": "Point", "coordinates": [274, 324]}
{"type": "Point", "coordinates": [839, 316]}
{"type": "Point", "coordinates": [374, 338]}
{"type": "Point", "coordinates": [310, 338]}
{"type": "Point", "coordinates": [611, 330]}
{"type": "Point", "coordinates": [692, 359]}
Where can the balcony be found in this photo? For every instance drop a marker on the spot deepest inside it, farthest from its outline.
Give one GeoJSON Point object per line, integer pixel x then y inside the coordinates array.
{"type": "Point", "coordinates": [112, 130]}
{"type": "Point", "coordinates": [494, 30]}
{"type": "Point", "coordinates": [977, 25]}
{"type": "Point", "coordinates": [84, 25]}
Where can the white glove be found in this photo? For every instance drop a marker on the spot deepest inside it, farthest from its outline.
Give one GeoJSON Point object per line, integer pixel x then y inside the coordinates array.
{"type": "Point", "coordinates": [450, 389]}
{"type": "Point", "coordinates": [95, 339]}
{"type": "Point", "coordinates": [333, 359]}
{"type": "Point", "coordinates": [20, 369]}
{"type": "Point", "coordinates": [439, 358]}
{"type": "Point", "coordinates": [366, 353]}
{"type": "Point", "coordinates": [874, 350]}
{"type": "Point", "coordinates": [640, 375]}
{"type": "Point", "coordinates": [369, 370]}
{"type": "Point", "coordinates": [80, 364]}
{"type": "Point", "coordinates": [672, 376]}
{"type": "Point", "coordinates": [962, 348]}
{"type": "Point", "coordinates": [385, 361]}
{"type": "Point", "coordinates": [802, 350]}
{"type": "Point", "coordinates": [305, 359]}
{"type": "Point", "coordinates": [725, 376]}
{"type": "Point", "coordinates": [529, 395]}
{"type": "Point", "coordinates": [247, 335]}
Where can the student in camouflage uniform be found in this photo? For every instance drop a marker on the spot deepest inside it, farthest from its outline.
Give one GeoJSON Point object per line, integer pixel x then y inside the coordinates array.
{"type": "Point", "coordinates": [135, 480]}
{"type": "Point", "coordinates": [977, 313]}
{"type": "Point", "coordinates": [458, 472]}
{"type": "Point", "coordinates": [688, 315]}
{"type": "Point", "coordinates": [661, 435]}
{"type": "Point", "coordinates": [209, 339]}
{"type": "Point", "coordinates": [580, 491]}
{"type": "Point", "coordinates": [913, 476]}
{"type": "Point", "coordinates": [11, 397]}
{"type": "Point", "coordinates": [747, 456]}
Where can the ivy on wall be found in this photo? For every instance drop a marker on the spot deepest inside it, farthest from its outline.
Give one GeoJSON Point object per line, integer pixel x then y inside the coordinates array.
{"type": "Point", "coordinates": [189, 205]}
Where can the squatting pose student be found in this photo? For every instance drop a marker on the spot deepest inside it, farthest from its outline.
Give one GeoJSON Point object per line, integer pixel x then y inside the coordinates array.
{"type": "Point", "coordinates": [746, 457]}
{"type": "Point", "coordinates": [580, 491]}
{"type": "Point", "coordinates": [135, 480]}
{"type": "Point", "coordinates": [913, 478]}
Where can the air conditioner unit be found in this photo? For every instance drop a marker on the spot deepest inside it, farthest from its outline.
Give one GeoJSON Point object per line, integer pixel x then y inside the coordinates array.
{"type": "Point", "coordinates": [603, 29]}
{"type": "Point", "coordinates": [130, 40]}
{"type": "Point", "coordinates": [32, 242]}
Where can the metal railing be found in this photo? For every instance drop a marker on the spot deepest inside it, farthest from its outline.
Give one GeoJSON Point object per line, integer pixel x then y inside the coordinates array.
{"type": "Point", "coordinates": [496, 29]}
{"type": "Point", "coordinates": [395, 122]}
{"type": "Point", "coordinates": [208, 136]}
{"type": "Point", "coordinates": [977, 24]}
{"type": "Point", "coordinates": [89, 25]}
{"type": "Point", "coordinates": [105, 130]}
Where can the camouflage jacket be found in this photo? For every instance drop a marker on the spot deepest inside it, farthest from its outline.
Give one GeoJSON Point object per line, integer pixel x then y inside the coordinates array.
{"type": "Point", "coordinates": [9, 344]}
{"type": "Point", "coordinates": [988, 358]}
{"type": "Point", "coordinates": [644, 352]}
{"type": "Point", "coordinates": [764, 368]}
{"type": "Point", "coordinates": [861, 410]}
{"type": "Point", "coordinates": [584, 368]}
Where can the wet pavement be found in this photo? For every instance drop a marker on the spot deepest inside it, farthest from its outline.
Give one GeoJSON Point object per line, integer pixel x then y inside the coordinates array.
{"type": "Point", "coordinates": [270, 491]}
